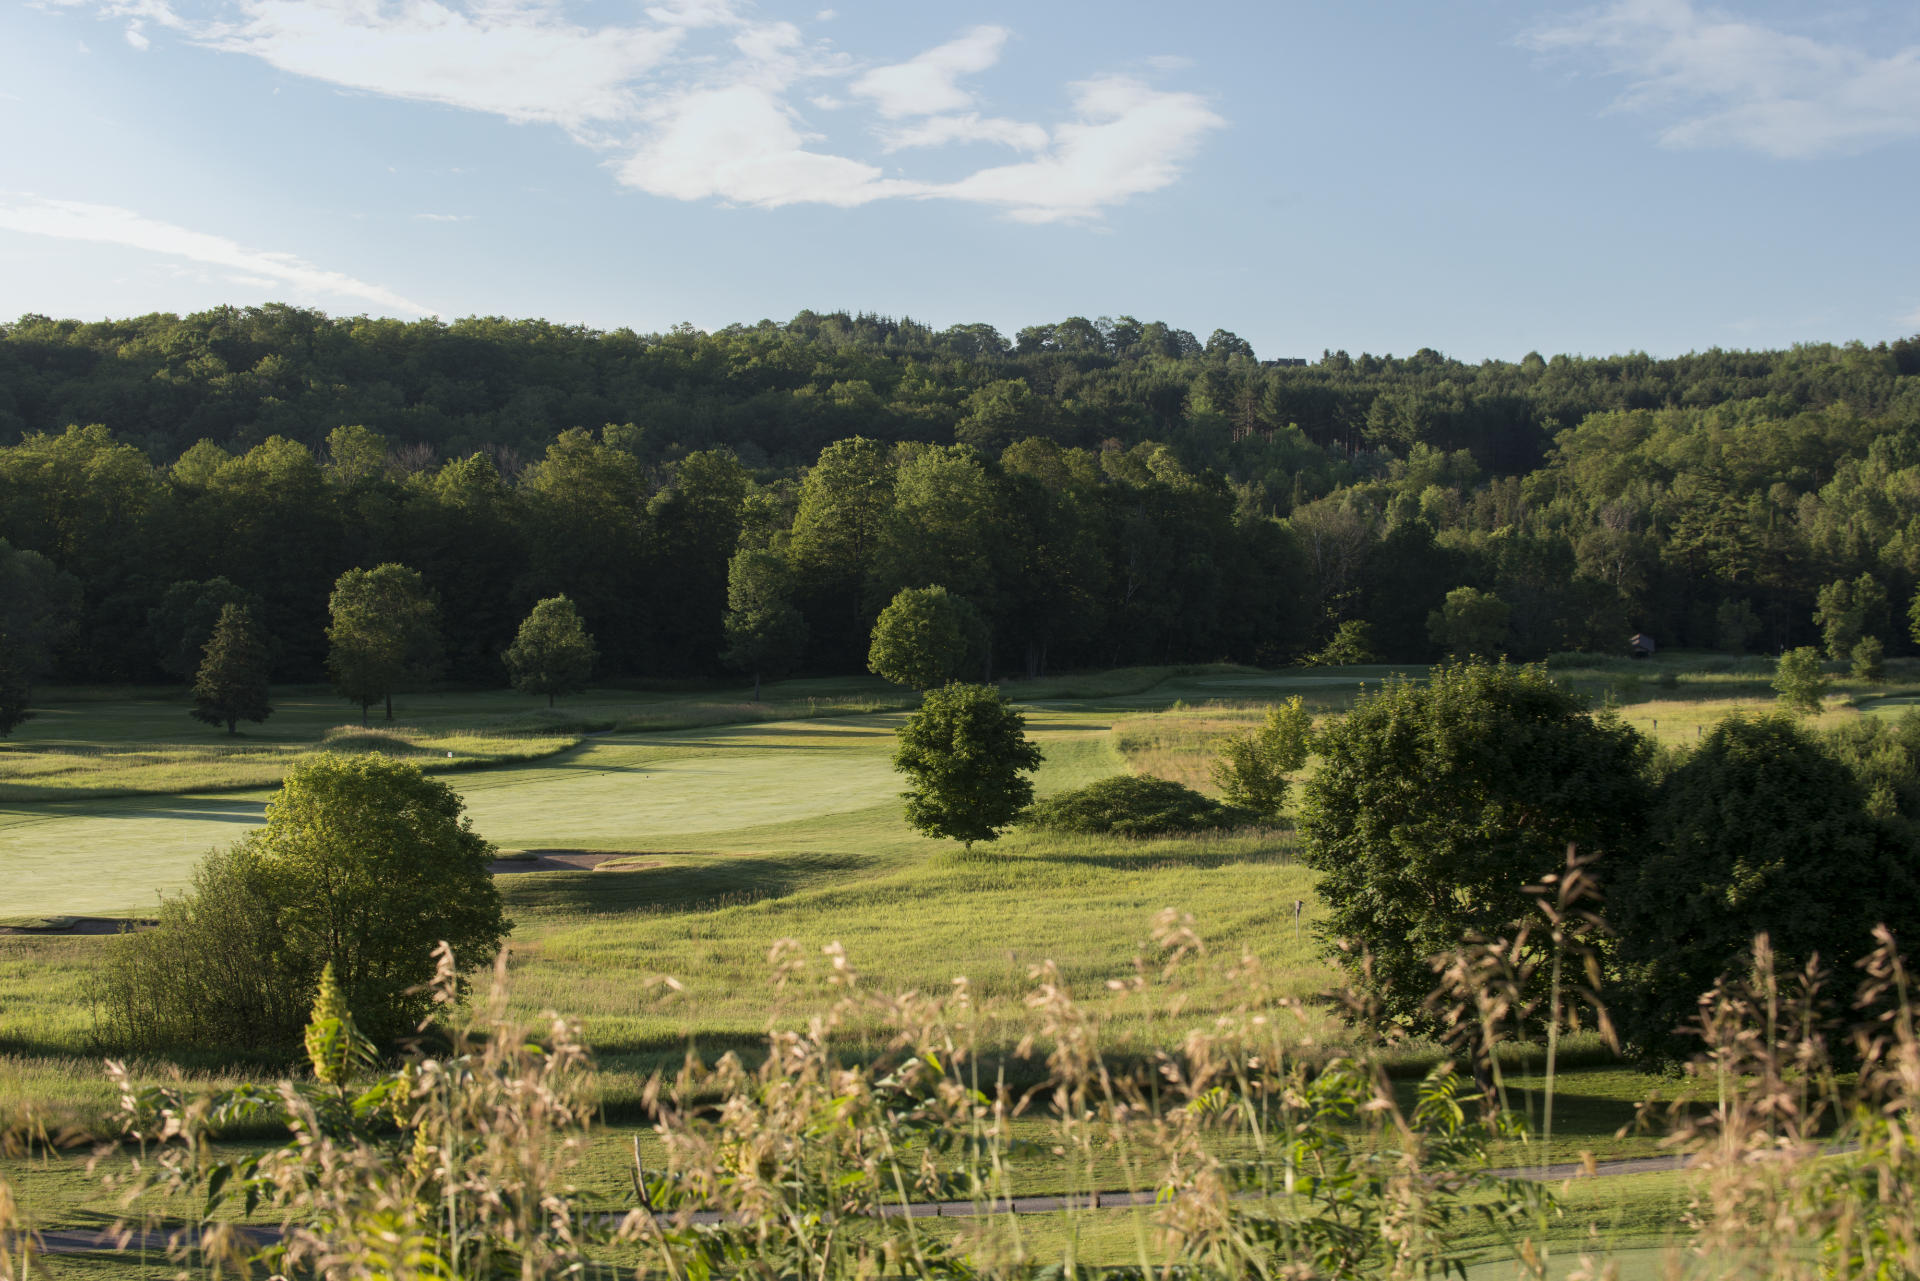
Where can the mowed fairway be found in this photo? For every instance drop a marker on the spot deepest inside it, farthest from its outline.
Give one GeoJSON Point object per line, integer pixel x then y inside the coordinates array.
{"type": "Point", "coordinates": [615, 792]}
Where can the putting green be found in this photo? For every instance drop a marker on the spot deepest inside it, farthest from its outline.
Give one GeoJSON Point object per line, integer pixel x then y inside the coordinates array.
{"type": "Point", "coordinates": [691, 789]}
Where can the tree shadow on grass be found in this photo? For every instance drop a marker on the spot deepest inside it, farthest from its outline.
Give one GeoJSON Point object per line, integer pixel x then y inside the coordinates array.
{"type": "Point", "coordinates": [205, 809]}
{"type": "Point", "coordinates": [1161, 856]}
{"type": "Point", "coordinates": [693, 882]}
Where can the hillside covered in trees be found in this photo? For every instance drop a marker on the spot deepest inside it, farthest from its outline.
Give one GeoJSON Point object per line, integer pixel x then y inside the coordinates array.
{"type": "Point", "coordinates": [1101, 492]}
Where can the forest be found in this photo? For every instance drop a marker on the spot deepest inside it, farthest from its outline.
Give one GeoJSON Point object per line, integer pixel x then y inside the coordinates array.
{"type": "Point", "coordinates": [1101, 492]}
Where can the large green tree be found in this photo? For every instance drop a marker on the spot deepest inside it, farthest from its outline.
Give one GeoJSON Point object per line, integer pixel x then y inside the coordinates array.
{"type": "Point", "coordinates": [13, 687]}
{"type": "Point", "coordinates": [1849, 611]}
{"type": "Point", "coordinates": [1470, 622]}
{"type": "Point", "coordinates": [1761, 829]}
{"type": "Point", "coordinates": [231, 685]}
{"type": "Point", "coordinates": [766, 634]}
{"type": "Point", "coordinates": [925, 637]}
{"type": "Point", "coordinates": [364, 864]}
{"type": "Point", "coordinates": [552, 653]}
{"type": "Point", "coordinates": [185, 617]}
{"type": "Point", "coordinates": [1436, 804]}
{"type": "Point", "coordinates": [844, 500]}
{"type": "Point", "coordinates": [966, 757]}
{"type": "Point", "coordinates": [384, 634]}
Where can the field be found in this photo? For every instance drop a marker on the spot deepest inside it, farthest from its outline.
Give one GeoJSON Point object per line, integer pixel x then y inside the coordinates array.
{"type": "Point", "coordinates": [733, 825]}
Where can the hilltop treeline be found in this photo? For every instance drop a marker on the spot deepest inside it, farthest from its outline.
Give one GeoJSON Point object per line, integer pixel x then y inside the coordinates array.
{"type": "Point", "coordinates": [1103, 492]}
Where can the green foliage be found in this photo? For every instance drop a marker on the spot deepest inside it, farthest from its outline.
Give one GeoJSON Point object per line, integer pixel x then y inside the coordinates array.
{"type": "Point", "coordinates": [364, 865]}
{"type": "Point", "coordinates": [926, 636]}
{"type": "Point", "coordinates": [335, 1048]}
{"type": "Point", "coordinates": [384, 634]}
{"type": "Point", "coordinates": [966, 757]}
{"type": "Point", "coordinates": [1849, 611]}
{"type": "Point", "coordinates": [552, 654]}
{"type": "Point", "coordinates": [231, 685]}
{"type": "Point", "coordinates": [1735, 626]}
{"type": "Point", "coordinates": [1435, 804]}
{"type": "Point", "coordinates": [766, 634]}
{"type": "Point", "coordinates": [1251, 771]}
{"type": "Point", "coordinates": [1884, 755]}
{"type": "Point", "coordinates": [1798, 680]}
{"type": "Point", "coordinates": [1352, 644]}
{"type": "Point", "coordinates": [1759, 830]}
{"type": "Point", "coordinates": [39, 606]}
{"type": "Point", "coordinates": [1470, 622]}
{"type": "Point", "coordinates": [13, 687]}
{"type": "Point", "coordinates": [184, 619]}
{"type": "Point", "coordinates": [1132, 805]}
{"type": "Point", "coordinates": [1869, 659]}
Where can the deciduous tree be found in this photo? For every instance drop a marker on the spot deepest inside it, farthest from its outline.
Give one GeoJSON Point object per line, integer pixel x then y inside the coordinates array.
{"type": "Point", "coordinates": [1251, 770]}
{"type": "Point", "coordinates": [384, 634]}
{"type": "Point", "coordinates": [966, 757]}
{"type": "Point", "coordinates": [925, 637]}
{"type": "Point", "coordinates": [552, 654]}
{"type": "Point", "coordinates": [766, 634]}
{"type": "Point", "coordinates": [1436, 804]}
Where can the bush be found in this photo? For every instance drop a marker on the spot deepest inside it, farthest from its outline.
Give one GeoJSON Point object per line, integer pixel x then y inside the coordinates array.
{"type": "Point", "coordinates": [364, 864]}
{"type": "Point", "coordinates": [1134, 805]}
{"type": "Point", "coordinates": [1761, 829]}
{"type": "Point", "coordinates": [1799, 681]}
{"type": "Point", "coordinates": [1436, 805]}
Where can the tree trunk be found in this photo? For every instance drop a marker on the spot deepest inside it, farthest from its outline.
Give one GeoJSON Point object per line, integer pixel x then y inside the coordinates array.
{"type": "Point", "coordinates": [231, 731]}
{"type": "Point", "coordinates": [756, 687]}
{"type": "Point", "coordinates": [389, 707]}
{"type": "Point", "coordinates": [549, 698]}
{"type": "Point", "coordinates": [366, 705]}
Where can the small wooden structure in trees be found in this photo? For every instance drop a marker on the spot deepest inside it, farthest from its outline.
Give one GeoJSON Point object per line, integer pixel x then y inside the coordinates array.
{"type": "Point", "coordinates": [1641, 646]}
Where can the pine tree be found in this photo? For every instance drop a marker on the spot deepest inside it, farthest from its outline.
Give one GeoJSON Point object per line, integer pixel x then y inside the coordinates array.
{"type": "Point", "coordinates": [232, 684]}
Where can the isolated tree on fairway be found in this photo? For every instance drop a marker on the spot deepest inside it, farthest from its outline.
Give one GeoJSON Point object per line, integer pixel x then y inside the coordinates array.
{"type": "Point", "coordinates": [925, 637]}
{"type": "Point", "coordinates": [765, 632]}
{"type": "Point", "coordinates": [1251, 770]}
{"type": "Point", "coordinates": [13, 687]}
{"type": "Point", "coordinates": [1798, 681]}
{"type": "Point", "coordinates": [966, 756]}
{"type": "Point", "coordinates": [364, 864]}
{"type": "Point", "coordinates": [552, 654]}
{"type": "Point", "coordinates": [1436, 804]}
{"type": "Point", "coordinates": [384, 634]}
{"type": "Point", "coordinates": [1760, 828]}
{"type": "Point", "coordinates": [232, 682]}
{"type": "Point", "coordinates": [1469, 622]}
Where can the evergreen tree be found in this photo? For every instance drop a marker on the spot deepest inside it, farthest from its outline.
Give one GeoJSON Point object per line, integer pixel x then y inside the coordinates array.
{"type": "Point", "coordinates": [232, 682]}
{"type": "Point", "coordinates": [552, 654]}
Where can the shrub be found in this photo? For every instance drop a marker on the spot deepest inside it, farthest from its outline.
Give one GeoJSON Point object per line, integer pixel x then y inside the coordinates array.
{"type": "Point", "coordinates": [1134, 805]}
{"type": "Point", "coordinates": [1798, 680]}
{"type": "Point", "coordinates": [1251, 770]}
{"type": "Point", "coordinates": [1761, 829]}
{"type": "Point", "coordinates": [1436, 804]}
{"type": "Point", "coordinates": [364, 864]}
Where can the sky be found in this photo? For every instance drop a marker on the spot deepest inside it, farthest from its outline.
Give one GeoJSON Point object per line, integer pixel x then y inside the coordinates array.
{"type": "Point", "coordinates": [1483, 177]}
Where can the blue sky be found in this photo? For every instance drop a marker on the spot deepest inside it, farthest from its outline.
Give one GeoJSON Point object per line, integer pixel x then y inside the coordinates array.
{"type": "Point", "coordinates": [1484, 177]}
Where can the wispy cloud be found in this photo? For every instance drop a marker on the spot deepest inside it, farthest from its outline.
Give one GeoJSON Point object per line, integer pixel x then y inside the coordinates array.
{"type": "Point", "coordinates": [708, 100]}
{"type": "Point", "coordinates": [1741, 84]}
{"type": "Point", "coordinates": [108, 224]}
{"type": "Point", "coordinates": [440, 217]}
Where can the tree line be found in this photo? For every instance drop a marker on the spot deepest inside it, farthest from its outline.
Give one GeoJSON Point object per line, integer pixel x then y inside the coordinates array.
{"type": "Point", "coordinates": [1096, 492]}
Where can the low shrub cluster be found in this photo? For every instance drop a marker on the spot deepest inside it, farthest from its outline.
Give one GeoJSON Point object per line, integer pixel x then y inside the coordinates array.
{"type": "Point", "coordinates": [1134, 805]}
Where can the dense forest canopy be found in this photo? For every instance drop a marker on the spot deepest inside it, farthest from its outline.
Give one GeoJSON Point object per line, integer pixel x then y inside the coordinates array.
{"type": "Point", "coordinates": [1102, 491]}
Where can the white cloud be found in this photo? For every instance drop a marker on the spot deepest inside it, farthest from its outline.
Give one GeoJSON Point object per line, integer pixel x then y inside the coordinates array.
{"type": "Point", "coordinates": [928, 84]}
{"type": "Point", "coordinates": [440, 217]}
{"type": "Point", "coordinates": [514, 60]}
{"type": "Point", "coordinates": [136, 37]}
{"type": "Point", "coordinates": [938, 131]}
{"type": "Point", "coordinates": [1735, 83]}
{"type": "Point", "coordinates": [1128, 139]}
{"type": "Point", "coordinates": [697, 100]}
{"type": "Point", "coordinates": [108, 224]}
{"type": "Point", "coordinates": [739, 143]}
